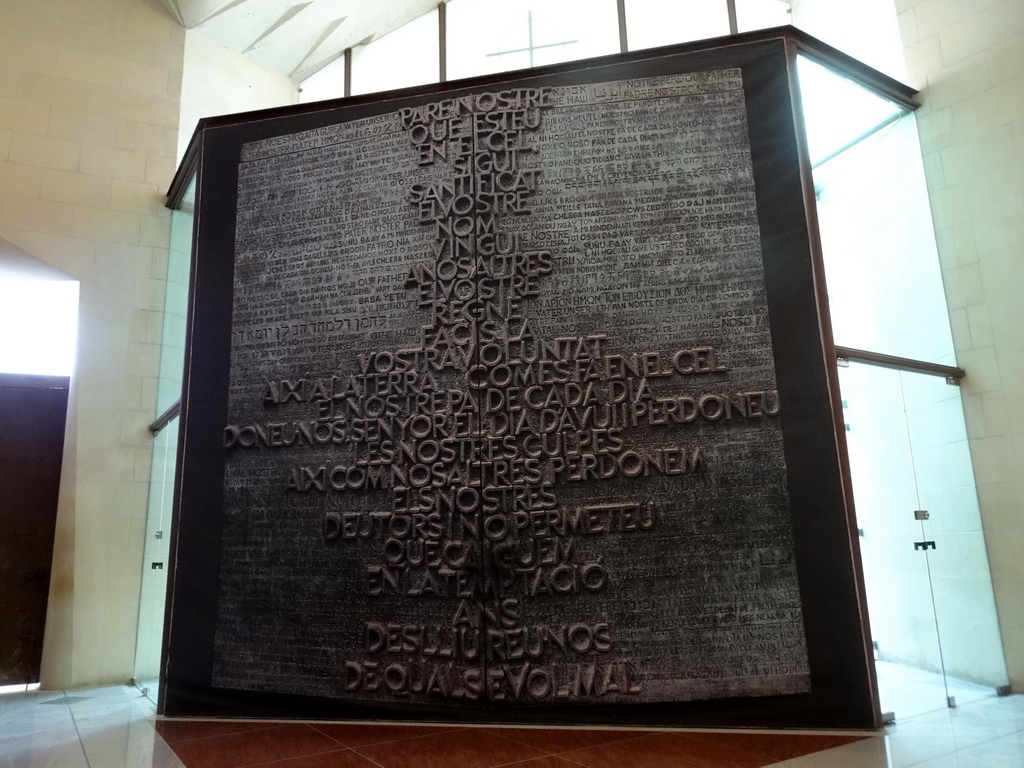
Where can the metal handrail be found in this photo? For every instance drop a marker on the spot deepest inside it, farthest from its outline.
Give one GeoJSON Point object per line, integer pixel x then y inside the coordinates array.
{"type": "Point", "coordinates": [952, 374]}
{"type": "Point", "coordinates": [166, 417]}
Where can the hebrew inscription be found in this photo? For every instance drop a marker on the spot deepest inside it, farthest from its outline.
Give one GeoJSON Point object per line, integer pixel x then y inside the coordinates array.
{"type": "Point", "coordinates": [503, 421]}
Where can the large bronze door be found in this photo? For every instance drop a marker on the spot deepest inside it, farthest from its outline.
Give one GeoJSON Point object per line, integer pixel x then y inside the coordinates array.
{"type": "Point", "coordinates": [32, 416]}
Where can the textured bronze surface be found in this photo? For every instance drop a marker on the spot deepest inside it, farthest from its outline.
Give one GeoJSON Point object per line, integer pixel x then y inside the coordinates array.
{"type": "Point", "coordinates": [503, 421]}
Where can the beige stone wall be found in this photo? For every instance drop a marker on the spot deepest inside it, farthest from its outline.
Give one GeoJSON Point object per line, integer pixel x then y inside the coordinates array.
{"type": "Point", "coordinates": [219, 81]}
{"type": "Point", "coordinates": [90, 111]}
{"type": "Point", "coordinates": [968, 60]}
{"type": "Point", "coordinates": [89, 94]}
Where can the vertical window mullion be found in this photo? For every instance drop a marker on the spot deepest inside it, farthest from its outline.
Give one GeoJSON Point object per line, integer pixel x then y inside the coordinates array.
{"type": "Point", "coordinates": [623, 40]}
{"type": "Point", "coordinates": [348, 72]}
{"type": "Point", "coordinates": [442, 42]}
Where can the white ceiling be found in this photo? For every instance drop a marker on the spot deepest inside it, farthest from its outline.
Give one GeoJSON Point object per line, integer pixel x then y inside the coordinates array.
{"type": "Point", "coordinates": [296, 38]}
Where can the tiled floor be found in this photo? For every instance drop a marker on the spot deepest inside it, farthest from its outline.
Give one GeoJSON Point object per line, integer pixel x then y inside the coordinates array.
{"type": "Point", "coordinates": [116, 728]}
{"type": "Point", "coordinates": [908, 691]}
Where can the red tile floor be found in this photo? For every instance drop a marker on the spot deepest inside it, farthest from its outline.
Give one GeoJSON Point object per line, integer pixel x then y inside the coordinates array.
{"type": "Point", "coordinates": [220, 744]}
{"type": "Point", "coordinates": [117, 727]}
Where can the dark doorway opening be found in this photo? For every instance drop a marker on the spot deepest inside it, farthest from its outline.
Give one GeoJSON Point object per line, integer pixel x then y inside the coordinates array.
{"type": "Point", "coordinates": [33, 411]}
